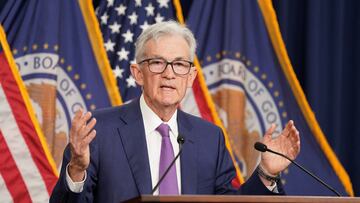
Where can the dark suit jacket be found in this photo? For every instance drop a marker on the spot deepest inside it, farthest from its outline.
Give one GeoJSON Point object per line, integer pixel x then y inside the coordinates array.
{"type": "Point", "coordinates": [119, 168]}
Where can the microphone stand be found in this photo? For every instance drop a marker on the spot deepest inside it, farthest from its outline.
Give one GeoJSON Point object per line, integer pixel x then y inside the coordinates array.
{"type": "Point", "coordinates": [181, 141]}
{"type": "Point", "coordinates": [263, 148]}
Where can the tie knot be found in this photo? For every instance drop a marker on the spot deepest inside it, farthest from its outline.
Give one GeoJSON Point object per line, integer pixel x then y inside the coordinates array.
{"type": "Point", "coordinates": [163, 129]}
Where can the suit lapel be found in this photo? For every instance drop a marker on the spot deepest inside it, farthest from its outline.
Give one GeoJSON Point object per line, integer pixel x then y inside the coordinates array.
{"type": "Point", "coordinates": [132, 135]}
{"type": "Point", "coordinates": [188, 157]}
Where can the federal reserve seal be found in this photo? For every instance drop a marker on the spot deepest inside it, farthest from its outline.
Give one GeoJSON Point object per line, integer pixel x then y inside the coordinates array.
{"type": "Point", "coordinates": [247, 102]}
{"type": "Point", "coordinates": [54, 95]}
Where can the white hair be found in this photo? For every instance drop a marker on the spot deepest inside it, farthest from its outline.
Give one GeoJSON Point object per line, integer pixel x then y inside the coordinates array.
{"type": "Point", "coordinates": [158, 30]}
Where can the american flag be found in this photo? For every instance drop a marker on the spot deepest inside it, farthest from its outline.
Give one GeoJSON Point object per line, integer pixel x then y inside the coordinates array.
{"type": "Point", "coordinates": [121, 22]}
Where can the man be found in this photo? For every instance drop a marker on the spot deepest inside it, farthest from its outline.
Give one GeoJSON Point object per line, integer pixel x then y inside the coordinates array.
{"type": "Point", "coordinates": [135, 143]}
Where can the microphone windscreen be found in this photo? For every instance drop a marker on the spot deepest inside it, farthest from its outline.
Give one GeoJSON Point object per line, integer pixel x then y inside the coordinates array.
{"type": "Point", "coordinates": [180, 139]}
{"type": "Point", "coordinates": [260, 147]}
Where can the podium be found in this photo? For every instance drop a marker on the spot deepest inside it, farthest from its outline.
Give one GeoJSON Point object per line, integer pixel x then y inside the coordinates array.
{"type": "Point", "coordinates": [244, 199]}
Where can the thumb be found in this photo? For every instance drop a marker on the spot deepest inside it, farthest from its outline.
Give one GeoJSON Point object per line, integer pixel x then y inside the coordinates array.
{"type": "Point", "coordinates": [269, 132]}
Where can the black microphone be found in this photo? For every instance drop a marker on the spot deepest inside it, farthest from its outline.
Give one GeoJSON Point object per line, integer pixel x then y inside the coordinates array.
{"type": "Point", "coordinates": [180, 140]}
{"type": "Point", "coordinates": [263, 148]}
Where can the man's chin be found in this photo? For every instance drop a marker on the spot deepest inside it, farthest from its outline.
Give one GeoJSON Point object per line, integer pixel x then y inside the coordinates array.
{"type": "Point", "coordinates": [170, 103]}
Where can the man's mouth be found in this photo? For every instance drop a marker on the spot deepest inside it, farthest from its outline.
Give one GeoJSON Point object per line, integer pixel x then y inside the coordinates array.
{"type": "Point", "coordinates": [167, 87]}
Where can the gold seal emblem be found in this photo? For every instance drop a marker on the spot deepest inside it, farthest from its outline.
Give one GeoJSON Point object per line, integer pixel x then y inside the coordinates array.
{"type": "Point", "coordinates": [54, 96]}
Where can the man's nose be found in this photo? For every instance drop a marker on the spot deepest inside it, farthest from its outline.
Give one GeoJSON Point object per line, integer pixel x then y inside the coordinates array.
{"type": "Point", "coordinates": [169, 71]}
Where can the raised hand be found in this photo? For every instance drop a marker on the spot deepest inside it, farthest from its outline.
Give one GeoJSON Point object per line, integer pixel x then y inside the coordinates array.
{"type": "Point", "coordinates": [288, 143]}
{"type": "Point", "coordinates": [81, 134]}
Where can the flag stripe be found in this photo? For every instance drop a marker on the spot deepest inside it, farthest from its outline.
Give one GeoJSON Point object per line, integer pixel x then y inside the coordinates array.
{"type": "Point", "coordinates": [97, 44]}
{"type": "Point", "coordinates": [4, 192]}
{"type": "Point", "coordinates": [187, 104]}
{"type": "Point", "coordinates": [11, 182]}
{"type": "Point", "coordinates": [26, 117]}
{"type": "Point", "coordinates": [16, 119]}
{"type": "Point", "coordinates": [19, 149]}
{"type": "Point", "coordinates": [201, 102]}
{"type": "Point", "coordinates": [19, 121]}
{"type": "Point", "coordinates": [279, 46]}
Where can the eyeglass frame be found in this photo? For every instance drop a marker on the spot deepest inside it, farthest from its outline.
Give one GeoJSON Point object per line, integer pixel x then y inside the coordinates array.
{"type": "Point", "coordinates": [166, 65]}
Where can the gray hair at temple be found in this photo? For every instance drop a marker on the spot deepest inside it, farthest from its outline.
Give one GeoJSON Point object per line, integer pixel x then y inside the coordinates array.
{"type": "Point", "coordinates": [158, 30]}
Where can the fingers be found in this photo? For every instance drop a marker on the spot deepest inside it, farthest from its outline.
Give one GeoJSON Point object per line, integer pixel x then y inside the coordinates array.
{"type": "Point", "coordinates": [294, 138]}
{"type": "Point", "coordinates": [77, 116]}
{"type": "Point", "coordinates": [85, 130]}
{"type": "Point", "coordinates": [288, 127]}
{"type": "Point", "coordinates": [269, 132]}
{"type": "Point", "coordinates": [81, 134]}
{"type": "Point", "coordinates": [81, 128]}
{"type": "Point", "coordinates": [79, 122]}
{"type": "Point", "coordinates": [293, 134]}
{"type": "Point", "coordinates": [89, 137]}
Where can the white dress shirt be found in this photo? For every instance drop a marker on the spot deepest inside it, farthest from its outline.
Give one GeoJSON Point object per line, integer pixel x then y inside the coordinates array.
{"type": "Point", "coordinates": [153, 141]}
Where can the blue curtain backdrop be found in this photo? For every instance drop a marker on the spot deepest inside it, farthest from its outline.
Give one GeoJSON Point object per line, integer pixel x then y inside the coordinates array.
{"type": "Point", "coordinates": [323, 40]}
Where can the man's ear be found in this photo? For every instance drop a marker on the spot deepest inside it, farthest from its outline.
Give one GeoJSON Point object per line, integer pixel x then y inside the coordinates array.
{"type": "Point", "coordinates": [137, 74]}
{"type": "Point", "coordinates": [191, 76]}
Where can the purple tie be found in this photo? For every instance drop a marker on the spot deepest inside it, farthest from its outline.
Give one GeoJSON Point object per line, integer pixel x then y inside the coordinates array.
{"type": "Point", "coordinates": [169, 185]}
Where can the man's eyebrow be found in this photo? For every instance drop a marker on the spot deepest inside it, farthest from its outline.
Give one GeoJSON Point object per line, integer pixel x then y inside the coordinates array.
{"type": "Point", "coordinates": [161, 57]}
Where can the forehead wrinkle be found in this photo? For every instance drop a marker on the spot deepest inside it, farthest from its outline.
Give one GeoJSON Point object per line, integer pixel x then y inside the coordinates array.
{"type": "Point", "coordinates": [156, 42]}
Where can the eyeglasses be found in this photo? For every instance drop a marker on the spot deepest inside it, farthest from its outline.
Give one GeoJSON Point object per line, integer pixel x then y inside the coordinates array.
{"type": "Point", "coordinates": [158, 65]}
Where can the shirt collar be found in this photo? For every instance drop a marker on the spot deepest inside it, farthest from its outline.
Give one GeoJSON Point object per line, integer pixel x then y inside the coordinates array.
{"type": "Point", "coordinates": [152, 121]}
